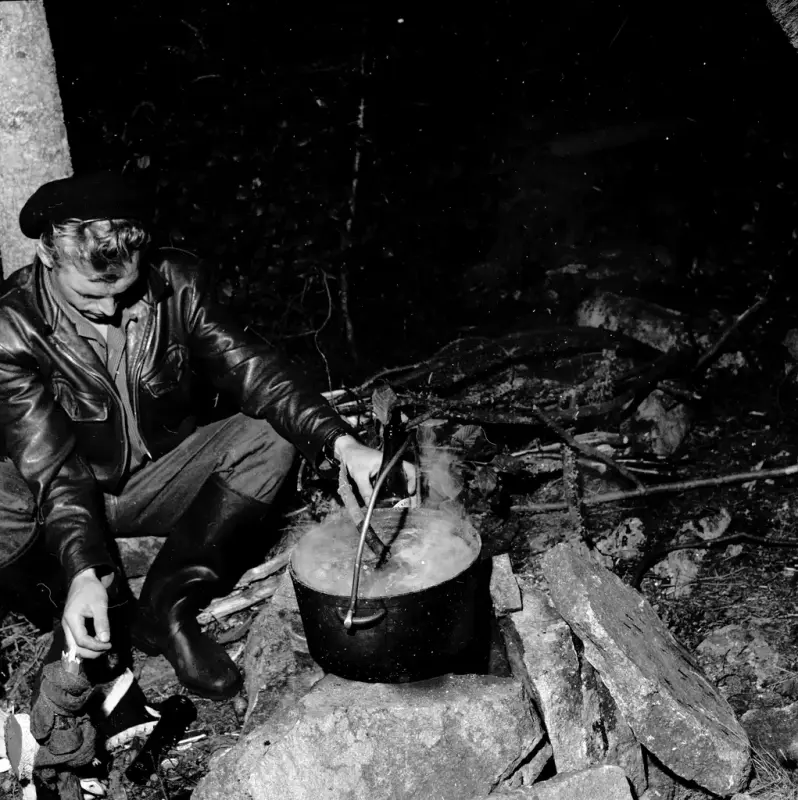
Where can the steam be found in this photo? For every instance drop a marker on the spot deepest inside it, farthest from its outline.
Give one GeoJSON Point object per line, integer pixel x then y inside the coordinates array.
{"type": "Point", "coordinates": [440, 482]}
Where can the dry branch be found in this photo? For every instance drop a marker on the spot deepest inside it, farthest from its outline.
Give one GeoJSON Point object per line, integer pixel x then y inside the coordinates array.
{"type": "Point", "coordinates": [264, 570]}
{"type": "Point", "coordinates": [716, 348]}
{"type": "Point", "coordinates": [492, 351]}
{"type": "Point", "coordinates": [664, 488]}
{"type": "Point", "coordinates": [238, 601]}
{"type": "Point", "coordinates": [584, 449]}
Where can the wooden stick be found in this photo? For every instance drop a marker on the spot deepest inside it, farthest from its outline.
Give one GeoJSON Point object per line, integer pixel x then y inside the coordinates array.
{"type": "Point", "coordinates": [357, 515]}
{"type": "Point", "coordinates": [238, 601]}
{"type": "Point", "coordinates": [526, 416]}
{"type": "Point", "coordinates": [663, 488]}
{"type": "Point", "coordinates": [264, 570]}
{"type": "Point", "coordinates": [713, 351]}
{"type": "Point", "coordinates": [594, 438]}
{"type": "Point", "coordinates": [584, 449]}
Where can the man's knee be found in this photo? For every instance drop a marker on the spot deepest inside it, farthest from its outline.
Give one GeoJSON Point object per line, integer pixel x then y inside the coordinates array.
{"type": "Point", "coordinates": [261, 463]}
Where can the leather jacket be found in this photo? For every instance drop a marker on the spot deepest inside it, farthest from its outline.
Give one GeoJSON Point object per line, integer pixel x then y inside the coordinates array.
{"type": "Point", "coordinates": [62, 419]}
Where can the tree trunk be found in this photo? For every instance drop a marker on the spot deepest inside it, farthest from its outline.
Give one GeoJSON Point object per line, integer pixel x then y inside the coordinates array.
{"type": "Point", "coordinates": [33, 139]}
{"type": "Point", "coordinates": [785, 13]}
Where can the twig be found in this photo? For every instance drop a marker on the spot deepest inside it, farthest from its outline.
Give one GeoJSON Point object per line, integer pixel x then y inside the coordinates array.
{"type": "Point", "coordinates": [664, 488]}
{"type": "Point", "coordinates": [225, 606]}
{"type": "Point", "coordinates": [391, 371]}
{"type": "Point", "coordinates": [264, 570]}
{"type": "Point", "coordinates": [525, 342]}
{"type": "Point", "coordinates": [526, 415]}
{"type": "Point", "coordinates": [572, 488]}
{"type": "Point", "coordinates": [713, 351]}
{"type": "Point", "coordinates": [325, 280]}
{"type": "Point", "coordinates": [594, 438]}
{"type": "Point", "coordinates": [357, 515]}
{"type": "Point", "coordinates": [460, 409]}
{"type": "Point", "coordinates": [584, 449]}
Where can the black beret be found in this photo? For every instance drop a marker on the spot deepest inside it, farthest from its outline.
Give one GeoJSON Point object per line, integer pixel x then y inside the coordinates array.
{"type": "Point", "coordinates": [95, 195]}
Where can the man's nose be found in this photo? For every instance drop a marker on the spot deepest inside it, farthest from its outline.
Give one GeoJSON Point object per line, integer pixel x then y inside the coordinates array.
{"type": "Point", "coordinates": [107, 306]}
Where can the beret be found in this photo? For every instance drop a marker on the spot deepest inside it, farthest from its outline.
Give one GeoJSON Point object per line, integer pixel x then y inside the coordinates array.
{"type": "Point", "coordinates": [95, 195]}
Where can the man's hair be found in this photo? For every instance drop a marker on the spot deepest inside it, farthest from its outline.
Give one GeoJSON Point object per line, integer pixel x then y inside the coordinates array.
{"type": "Point", "coordinates": [103, 245]}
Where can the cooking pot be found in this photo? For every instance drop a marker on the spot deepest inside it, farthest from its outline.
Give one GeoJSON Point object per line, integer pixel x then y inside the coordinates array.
{"type": "Point", "coordinates": [403, 637]}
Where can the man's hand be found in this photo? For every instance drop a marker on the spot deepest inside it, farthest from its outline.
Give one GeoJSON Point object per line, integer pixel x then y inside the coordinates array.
{"type": "Point", "coordinates": [87, 600]}
{"type": "Point", "coordinates": [363, 465]}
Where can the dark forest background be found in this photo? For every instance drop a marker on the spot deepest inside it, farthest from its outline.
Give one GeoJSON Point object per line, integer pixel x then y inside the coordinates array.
{"type": "Point", "coordinates": [243, 116]}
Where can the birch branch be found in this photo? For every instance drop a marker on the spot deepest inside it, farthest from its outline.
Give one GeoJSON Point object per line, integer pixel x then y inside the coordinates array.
{"type": "Point", "coordinates": [664, 488]}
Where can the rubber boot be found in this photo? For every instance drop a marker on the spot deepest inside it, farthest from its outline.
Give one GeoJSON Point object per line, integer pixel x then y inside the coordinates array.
{"type": "Point", "coordinates": [195, 564]}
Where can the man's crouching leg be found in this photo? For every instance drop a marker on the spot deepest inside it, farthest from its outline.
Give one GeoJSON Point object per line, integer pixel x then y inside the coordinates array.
{"type": "Point", "coordinates": [187, 573]}
{"type": "Point", "coordinates": [200, 560]}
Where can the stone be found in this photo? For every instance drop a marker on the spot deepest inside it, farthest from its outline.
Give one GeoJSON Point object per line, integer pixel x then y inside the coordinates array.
{"type": "Point", "coordinates": [583, 722]}
{"type": "Point", "coordinates": [661, 424]}
{"type": "Point", "coordinates": [446, 738]}
{"type": "Point", "coordinates": [661, 328]}
{"type": "Point", "coordinates": [661, 784]}
{"type": "Point", "coordinates": [774, 731]}
{"type": "Point", "coordinates": [504, 591]}
{"type": "Point", "coordinates": [278, 671]}
{"type": "Point", "coordinates": [531, 769]}
{"type": "Point", "coordinates": [674, 711]}
{"type": "Point", "coordinates": [597, 783]}
{"type": "Point", "coordinates": [732, 651]}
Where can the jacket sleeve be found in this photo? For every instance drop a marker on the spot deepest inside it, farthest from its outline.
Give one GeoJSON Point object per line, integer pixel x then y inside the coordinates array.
{"type": "Point", "coordinates": [264, 383]}
{"type": "Point", "coordinates": [39, 441]}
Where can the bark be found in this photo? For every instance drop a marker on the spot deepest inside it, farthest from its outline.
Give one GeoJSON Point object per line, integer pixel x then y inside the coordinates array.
{"type": "Point", "coordinates": [785, 12]}
{"type": "Point", "coordinates": [33, 138]}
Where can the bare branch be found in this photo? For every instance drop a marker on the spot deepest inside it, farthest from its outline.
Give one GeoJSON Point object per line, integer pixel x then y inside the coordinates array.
{"type": "Point", "coordinates": [664, 488]}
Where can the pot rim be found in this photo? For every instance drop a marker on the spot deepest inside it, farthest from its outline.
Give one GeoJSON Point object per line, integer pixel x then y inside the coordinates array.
{"type": "Point", "coordinates": [466, 531]}
{"type": "Point", "coordinates": [387, 599]}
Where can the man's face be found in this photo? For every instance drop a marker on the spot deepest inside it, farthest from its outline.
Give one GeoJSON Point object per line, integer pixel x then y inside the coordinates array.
{"type": "Point", "coordinates": [97, 296]}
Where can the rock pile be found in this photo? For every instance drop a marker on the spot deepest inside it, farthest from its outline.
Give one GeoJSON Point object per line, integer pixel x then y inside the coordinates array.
{"type": "Point", "coordinates": [601, 702]}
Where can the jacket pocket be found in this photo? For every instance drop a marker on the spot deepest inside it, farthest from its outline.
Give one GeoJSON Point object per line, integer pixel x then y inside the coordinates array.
{"type": "Point", "coordinates": [168, 373]}
{"type": "Point", "coordinates": [81, 406]}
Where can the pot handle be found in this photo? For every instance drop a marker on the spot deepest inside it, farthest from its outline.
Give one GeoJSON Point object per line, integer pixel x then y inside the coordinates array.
{"type": "Point", "coordinates": [350, 621]}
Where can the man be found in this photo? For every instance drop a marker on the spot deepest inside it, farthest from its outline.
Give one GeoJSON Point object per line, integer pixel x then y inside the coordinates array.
{"type": "Point", "coordinates": [103, 343]}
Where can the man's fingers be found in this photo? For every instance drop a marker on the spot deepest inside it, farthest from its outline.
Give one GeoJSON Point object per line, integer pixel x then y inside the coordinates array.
{"type": "Point", "coordinates": [102, 630]}
{"type": "Point", "coordinates": [79, 639]}
{"type": "Point", "coordinates": [72, 646]}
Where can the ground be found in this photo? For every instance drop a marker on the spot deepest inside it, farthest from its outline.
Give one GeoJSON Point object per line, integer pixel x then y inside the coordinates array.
{"type": "Point", "coordinates": [748, 586]}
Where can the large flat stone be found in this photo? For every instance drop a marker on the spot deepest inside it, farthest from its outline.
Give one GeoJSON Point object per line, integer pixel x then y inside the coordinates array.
{"type": "Point", "coordinates": [444, 739]}
{"type": "Point", "coordinates": [674, 711]}
{"type": "Point", "coordinates": [278, 670]}
{"type": "Point", "coordinates": [597, 783]}
{"type": "Point", "coordinates": [583, 722]}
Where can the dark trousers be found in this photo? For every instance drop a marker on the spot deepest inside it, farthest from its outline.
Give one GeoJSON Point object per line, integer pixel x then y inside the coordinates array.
{"type": "Point", "coordinates": [247, 454]}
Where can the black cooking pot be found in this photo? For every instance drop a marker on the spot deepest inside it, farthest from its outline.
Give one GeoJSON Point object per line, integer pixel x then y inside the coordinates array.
{"type": "Point", "coordinates": [398, 638]}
